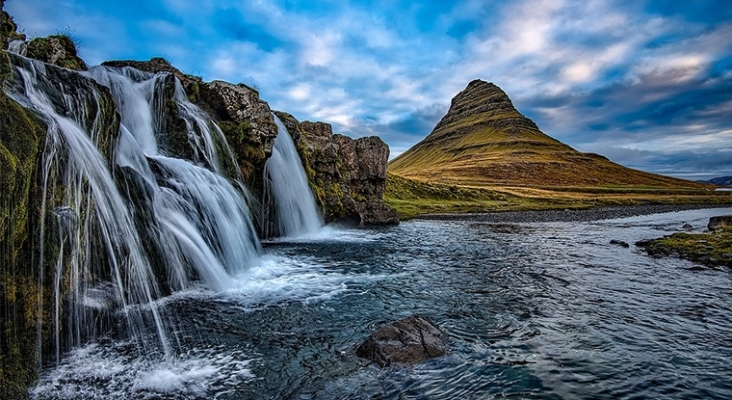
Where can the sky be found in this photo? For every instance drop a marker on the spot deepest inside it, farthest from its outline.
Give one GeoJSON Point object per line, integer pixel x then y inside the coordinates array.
{"type": "Point", "coordinates": [647, 84]}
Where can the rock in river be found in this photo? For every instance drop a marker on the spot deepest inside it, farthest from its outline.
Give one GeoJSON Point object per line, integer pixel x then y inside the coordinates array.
{"type": "Point", "coordinates": [721, 221]}
{"type": "Point", "coordinates": [408, 341]}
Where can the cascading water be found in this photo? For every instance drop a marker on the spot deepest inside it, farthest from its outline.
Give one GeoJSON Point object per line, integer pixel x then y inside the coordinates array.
{"type": "Point", "coordinates": [131, 229]}
{"type": "Point", "coordinates": [297, 213]}
{"type": "Point", "coordinates": [17, 47]}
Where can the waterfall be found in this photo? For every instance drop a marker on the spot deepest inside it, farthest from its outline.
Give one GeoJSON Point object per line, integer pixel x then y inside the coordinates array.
{"type": "Point", "coordinates": [17, 47]}
{"type": "Point", "coordinates": [297, 213]}
{"type": "Point", "coordinates": [133, 219]}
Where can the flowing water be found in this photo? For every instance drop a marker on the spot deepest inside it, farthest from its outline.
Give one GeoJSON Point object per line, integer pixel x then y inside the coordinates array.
{"type": "Point", "coordinates": [296, 212]}
{"type": "Point", "coordinates": [132, 229]}
{"type": "Point", "coordinates": [533, 310]}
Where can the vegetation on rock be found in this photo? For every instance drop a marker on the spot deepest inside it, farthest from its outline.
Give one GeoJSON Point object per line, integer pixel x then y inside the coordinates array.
{"type": "Point", "coordinates": [713, 249]}
{"type": "Point", "coordinates": [57, 50]}
{"type": "Point", "coordinates": [21, 139]}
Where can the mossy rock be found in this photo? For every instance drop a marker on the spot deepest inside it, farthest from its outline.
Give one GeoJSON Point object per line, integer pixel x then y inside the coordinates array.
{"type": "Point", "coordinates": [6, 68]}
{"type": "Point", "coordinates": [57, 50]}
{"type": "Point", "coordinates": [21, 138]}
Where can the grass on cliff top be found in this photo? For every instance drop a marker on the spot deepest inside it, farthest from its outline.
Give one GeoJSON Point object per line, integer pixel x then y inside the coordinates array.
{"type": "Point", "coordinates": [411, 197]}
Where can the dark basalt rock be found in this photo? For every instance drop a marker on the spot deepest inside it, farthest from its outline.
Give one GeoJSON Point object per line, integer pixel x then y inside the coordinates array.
{"type": "Point", "coordinates": [408, 341]}
{"type": "Point", "coordinates": [619, 243]}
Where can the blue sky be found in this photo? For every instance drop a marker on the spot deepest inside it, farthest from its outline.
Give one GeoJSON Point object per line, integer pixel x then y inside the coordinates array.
{"type": "Point", "coordinates": [646, 83]}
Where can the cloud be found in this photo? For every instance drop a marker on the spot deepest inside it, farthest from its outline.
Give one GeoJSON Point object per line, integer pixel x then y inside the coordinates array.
{"type": "Point", "coordinates": [646, 82]}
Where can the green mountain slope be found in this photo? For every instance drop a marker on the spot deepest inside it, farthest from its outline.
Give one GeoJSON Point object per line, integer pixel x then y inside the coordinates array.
{"type": "Point", "coordinates": [483, 140]}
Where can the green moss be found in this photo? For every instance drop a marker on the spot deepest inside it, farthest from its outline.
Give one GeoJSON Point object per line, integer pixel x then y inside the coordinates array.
{"type": "Point", "coordinates": [712, 249]}
{"type": "Point", "coordinates": [56, 49]}
{"type": "Point", "coordinates": [193, 91]}
{"type": "Point", "coordinates": [6, 68]}
{"type": "Point", "coordinates": [248, 151]}
{"type": "Point", "coordinates": [21, 136]}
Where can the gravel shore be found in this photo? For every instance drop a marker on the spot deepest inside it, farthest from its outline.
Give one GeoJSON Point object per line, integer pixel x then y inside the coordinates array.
{"type": "Point", "coordinates": [584, 215]}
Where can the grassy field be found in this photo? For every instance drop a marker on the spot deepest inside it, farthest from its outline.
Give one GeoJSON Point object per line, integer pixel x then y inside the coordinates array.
{"type": "Point", "coordinates": [412, 197]}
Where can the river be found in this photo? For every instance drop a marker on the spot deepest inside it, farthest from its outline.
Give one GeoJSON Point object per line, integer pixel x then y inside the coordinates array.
{"type": "Point", "coordinates": [546, 310]}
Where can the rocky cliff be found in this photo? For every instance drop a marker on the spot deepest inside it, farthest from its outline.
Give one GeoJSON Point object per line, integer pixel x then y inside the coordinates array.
{"type": "Point", "coordinates": [347, 176]}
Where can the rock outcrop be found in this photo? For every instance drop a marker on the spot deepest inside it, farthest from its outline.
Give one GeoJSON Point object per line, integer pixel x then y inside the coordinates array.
{"type": "Point", "coordinates": [712, 249]}
{"type": "Point", "coordinates": [21, 143]}
{"type": "Point", "coordinates": [348, 176]}
{"type": "Point", "coordinates": [57, 50]}
{"type": "Point", "coordinates": [719, 222]}
{"type": "Point", "coordinates": [408, 341]}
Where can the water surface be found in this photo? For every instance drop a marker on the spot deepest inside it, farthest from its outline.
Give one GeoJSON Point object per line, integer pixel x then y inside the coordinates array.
{"type": "Point", "coordinates": [533, 310]}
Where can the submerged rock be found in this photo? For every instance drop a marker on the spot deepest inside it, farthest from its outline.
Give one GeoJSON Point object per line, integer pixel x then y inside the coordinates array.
{"type": "Point", "coordinates": [408, 341]}
{"type": "Point", "coordinates": [619, 243]}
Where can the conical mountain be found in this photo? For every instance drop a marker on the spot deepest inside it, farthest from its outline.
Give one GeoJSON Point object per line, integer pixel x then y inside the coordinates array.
{"type": "Point", "coordinates": [484, 140]}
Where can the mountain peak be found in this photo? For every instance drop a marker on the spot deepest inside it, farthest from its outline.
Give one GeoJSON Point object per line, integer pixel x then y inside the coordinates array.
{"type": "Point", "coordinates": [484, 140]}
{"type": "Point", "coordinates": [478, 103]}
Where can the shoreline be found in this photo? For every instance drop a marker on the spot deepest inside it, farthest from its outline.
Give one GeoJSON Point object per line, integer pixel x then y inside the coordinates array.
{"type": "Point", "coordinates": [582, 215]}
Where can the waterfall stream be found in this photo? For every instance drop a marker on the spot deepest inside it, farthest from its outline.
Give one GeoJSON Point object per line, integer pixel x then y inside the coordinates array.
{"type": "Point", "coordinates": [296, 210]}
{"type": "Point", "coordinates": [134, 221]}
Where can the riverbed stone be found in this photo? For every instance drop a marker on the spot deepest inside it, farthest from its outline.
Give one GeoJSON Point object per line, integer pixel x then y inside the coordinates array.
{"type": "Point", "coordinates": [408, 341]}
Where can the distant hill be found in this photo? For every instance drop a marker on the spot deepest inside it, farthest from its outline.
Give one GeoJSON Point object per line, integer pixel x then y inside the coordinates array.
{"type": "Point", "coordinates": [721, 181]}
{"type": "Point", "coordinates": [483, 140]}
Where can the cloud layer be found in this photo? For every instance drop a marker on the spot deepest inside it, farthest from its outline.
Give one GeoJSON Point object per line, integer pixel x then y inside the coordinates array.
{"type": "Point", "coordinates": [648, 86]}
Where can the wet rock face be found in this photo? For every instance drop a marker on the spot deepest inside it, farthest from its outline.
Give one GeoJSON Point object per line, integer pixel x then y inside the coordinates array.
{"type": "Point", "coordinates": [348, 176]}
{"type": "Point", "coordinates": [408, 341]}
{"type": "Point", "coordinates": [240, 103]}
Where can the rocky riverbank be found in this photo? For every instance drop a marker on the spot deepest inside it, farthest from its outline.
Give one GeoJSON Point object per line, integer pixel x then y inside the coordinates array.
{"type": "Point", "coordinates": [583, 215]}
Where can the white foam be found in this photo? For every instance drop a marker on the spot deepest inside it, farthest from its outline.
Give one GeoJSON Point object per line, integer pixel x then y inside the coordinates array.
{"type": "Point", "coordinates": [99, 372]}
{"type": "Point", "coordinates": [333, 233]}
{"type": "Point", "coordinates": [278, 279]}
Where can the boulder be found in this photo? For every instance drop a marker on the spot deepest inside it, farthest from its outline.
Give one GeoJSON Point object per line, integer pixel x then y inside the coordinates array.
{"type": "Point", "coordinates": [408, 341]}
{"type": "Point", "coordinates": [719, 222]}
